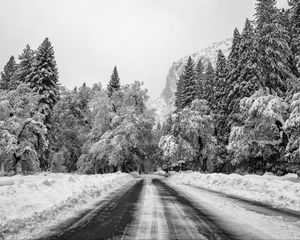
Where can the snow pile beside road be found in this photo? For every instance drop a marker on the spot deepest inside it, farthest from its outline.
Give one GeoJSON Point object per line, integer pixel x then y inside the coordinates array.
{"type": "Point", "coordinates": [283, 192]}
{"type": "Point", "coordinates": [28, 203]}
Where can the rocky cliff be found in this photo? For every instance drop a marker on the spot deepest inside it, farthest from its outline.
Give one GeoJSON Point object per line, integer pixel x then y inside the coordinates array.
{"type": "Point", "coordinates": [164, 105]}
{"type": "Point", "coordinates": [206, 54]}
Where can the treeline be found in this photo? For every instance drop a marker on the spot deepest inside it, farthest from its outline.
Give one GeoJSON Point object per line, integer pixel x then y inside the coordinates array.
{"type": "Point", "coordinates": [244, 115]}
{"type": "Point", "coordinates": [44, 126]}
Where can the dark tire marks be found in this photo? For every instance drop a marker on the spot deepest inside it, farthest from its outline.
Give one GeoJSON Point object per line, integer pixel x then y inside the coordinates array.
{"type": "Point", "coordinates": [208, 226]}
{"type": "Point", "coordinates": [108, 221]}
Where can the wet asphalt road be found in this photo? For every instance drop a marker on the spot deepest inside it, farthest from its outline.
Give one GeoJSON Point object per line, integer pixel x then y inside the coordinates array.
{"type": "Point", "coordinates": [148, 208]}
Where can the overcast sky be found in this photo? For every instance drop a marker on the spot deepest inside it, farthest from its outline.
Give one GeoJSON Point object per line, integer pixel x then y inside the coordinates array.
{"type": "Point", "coordinates": [141, 37]}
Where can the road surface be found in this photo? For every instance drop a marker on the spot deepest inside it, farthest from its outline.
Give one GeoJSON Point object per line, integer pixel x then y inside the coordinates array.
{"type": "Point", "coordinates": [149, 208]}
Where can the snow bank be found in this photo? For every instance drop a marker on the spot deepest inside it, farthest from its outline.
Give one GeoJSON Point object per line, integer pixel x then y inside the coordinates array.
{"type": "Point", "coordinates": [283, 192]}
{"type": "Point", "coordinates": [29, 203]}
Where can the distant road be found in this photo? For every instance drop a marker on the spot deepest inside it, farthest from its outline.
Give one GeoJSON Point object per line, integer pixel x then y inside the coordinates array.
{"type": "Point", "coordinates": [149, 208]}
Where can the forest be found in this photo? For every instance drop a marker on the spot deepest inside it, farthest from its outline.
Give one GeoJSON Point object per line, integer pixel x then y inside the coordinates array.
{"type": "Point", "coordinates": [242, 115]}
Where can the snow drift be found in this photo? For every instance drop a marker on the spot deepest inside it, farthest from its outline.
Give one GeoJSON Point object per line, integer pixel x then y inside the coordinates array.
{"type": "Point", "coordinates": [29, 203]}
{"type": "Point", "coordinates": [283, 192]}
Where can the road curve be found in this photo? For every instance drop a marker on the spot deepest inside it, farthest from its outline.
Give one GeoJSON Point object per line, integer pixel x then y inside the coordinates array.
{"type": "Point", "coordinates": [149, 209]}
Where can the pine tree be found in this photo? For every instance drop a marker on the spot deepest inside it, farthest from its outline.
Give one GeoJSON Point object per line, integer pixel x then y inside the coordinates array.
{"type": "Point", "coordinates": [43, 78]}
{"type": "Point", "coordinates": [232, 62]}
{"type": "Point", "coordinates": [7, 76]}
{"type": "Point", "coordinates": [246, 80]}
{"type": "Point", "coordinates": [248, 64]}
{"type": "Point", "coordinates": [273, 49]}
{"type": "Point", "coordinates": [114, 83]}
{"type": "Point", "coordinates": [295, 32]}
{"type": "Point", "coordinates": [84, 97]}
{"type": "Point", "coordinates": [217, 99]}
{"type": "Point", "coordinates": [233, 68]}
{"type": "Point", "coordinates": [218, 104]}
{"type": "Point", "coordinates": [189, 83]}
{"type": "Point", "coordinates": [178, 93]}
{"type": "Point", "coordinates": [199, 78]}
{"type": "Point", "coordinates": [208, 83]}
{"type": "Point", "coordinates": [25, 65]}
{"type": "Point", "coordinates": [233, 56]}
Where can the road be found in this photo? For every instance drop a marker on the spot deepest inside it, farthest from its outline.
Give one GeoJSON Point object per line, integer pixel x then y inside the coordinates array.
{"type": "Point", "coordinates": [149, 208]}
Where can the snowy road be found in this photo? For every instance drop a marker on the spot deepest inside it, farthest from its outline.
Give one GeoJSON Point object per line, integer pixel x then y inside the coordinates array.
{"type": "Point", "coordinates": [150, 208]}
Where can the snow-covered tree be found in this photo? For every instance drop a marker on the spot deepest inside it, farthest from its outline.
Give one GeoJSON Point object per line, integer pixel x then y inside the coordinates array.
{"type": "Point", "coordinates": [233, 56]}
{"type": "Point", "coordinates": [273, 49]}
{"type": "Point", "coordinates": [96, 87]}
{"type": "Point", "coordinates": [292, 129]}
{"type": "Point", "coordinates": [7, 80]}
{"type": "Point", "coordinates": [232, 64]}
{"type": "Point", "coordinates": [22, 131]}
{"type": "Point", "coordinates": [199, 78]}
{"type": "Point", "coordinates": [294, 29]}
{"type": "Point", "coordinates": [220, 82]}
{"type": "Point", "coordinates": [208, 82]}
{"type": "Point", "coordinates": [218, 97]}
{"type": "Point", "coordinates": [83, 99]}
{"type": "Point", "coordinates": [178, 93]}
{"type": "Point", "coordinates": [121, 133]}
{"type": "Point", "coordinates": [257, 145]}
{"type": "Point", "coordinates": [43, 78]}
{"type": "Point", "coordinates": [24, 67]}
{"type": "Point", "coordinates": [71, 128]}
{"type": "Point", "coordinates": [244, 78]}
{"type": "Point", "coordinates": [188, 83]}
{"type": "Point", "coordinates": [135, 96]}
{"type": "Point", "coordinates": [114, 83]}
{"type": "Point", "coordinates": [189, 137]}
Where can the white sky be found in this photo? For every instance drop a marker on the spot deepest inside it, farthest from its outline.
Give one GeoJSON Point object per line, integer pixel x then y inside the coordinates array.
{"type": "Point", "coordinates": [141, 37]}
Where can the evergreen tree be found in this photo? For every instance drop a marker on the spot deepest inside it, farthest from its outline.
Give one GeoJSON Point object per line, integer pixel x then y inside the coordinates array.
{"type": "Point", "coordinates": [217, 100]}
{"type": "Point", "coordinates": [189, 83]}
{"type": "Point", "coordinates": [246, 80]}
{"type": "Point", "coordinates": [178, 93]}
{"type": "Point", "coordinates": [199, 78]}
{"type": "Point", "coordinates": [7, 76]}
{"type": "Point", "coordinates": [233, 68]}
{"type": "Point", "coordinates": [232, 63]}
{"type": "Point", "coordinates": [96, 87]}
{"type": "Point", "coordinates": [84, 97]}
{"type": "Point", "coordinates": [43, 78]}
{"type": "Point", "coordinates": [114, 83]}
{"type": "Point", "coordinates": [218, 97]}
{"type": "Point", "coordinates": [25, 65]}
{"type": "Point", "coordinates": [273, 49]}
{"type": "Point", "coordinates": [295, 32]}
{"type": "Point", "coordinates": [208, 83]}
{"type": "Point", "coordinates": [233, 56]}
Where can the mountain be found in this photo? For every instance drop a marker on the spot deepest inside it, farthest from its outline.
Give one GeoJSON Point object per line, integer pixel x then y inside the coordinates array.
{"type": "Point", "coordinates": [164, 104]}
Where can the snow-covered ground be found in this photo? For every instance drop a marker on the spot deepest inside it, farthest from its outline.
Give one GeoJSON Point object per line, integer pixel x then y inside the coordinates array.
{"type": "Point", "coordinates": [283, 192]}
{"type": "Point", "coordinates": [30, 203]}
{"type": "Point", "coordinates": [243, 217]}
